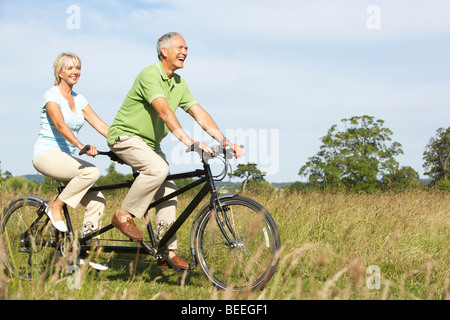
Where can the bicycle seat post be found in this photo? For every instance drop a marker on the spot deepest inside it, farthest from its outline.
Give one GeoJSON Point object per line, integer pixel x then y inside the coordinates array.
{"type": "Point", "coordinates": [65, 209]}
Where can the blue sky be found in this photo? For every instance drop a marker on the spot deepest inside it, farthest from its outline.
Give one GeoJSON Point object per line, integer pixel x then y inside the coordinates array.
{"type": "Point", "coordinates": [275, 75]}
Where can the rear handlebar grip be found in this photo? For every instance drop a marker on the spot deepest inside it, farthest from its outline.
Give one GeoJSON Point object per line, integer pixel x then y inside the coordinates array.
{"type": "Point", "coordinates": [84, 150]}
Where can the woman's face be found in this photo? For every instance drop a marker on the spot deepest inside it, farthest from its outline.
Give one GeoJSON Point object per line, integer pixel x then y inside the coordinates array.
{"type": "Point", "coordinates": [70, 73]}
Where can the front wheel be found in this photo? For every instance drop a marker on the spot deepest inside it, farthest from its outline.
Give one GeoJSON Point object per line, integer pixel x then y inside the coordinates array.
{"type": "Point", "coordinates": [238, 247]}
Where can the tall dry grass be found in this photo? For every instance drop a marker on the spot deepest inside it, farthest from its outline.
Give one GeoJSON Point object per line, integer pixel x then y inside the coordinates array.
{"type": "Point", "coordinates": [329, 242]}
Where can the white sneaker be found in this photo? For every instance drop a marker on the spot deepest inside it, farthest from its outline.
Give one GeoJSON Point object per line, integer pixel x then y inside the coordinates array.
{"type": "Point", "coordinates": [93, 265]}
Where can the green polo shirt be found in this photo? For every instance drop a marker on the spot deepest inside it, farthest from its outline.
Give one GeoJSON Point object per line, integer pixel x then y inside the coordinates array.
{"type": "Point", "coordinates": [137, 116]}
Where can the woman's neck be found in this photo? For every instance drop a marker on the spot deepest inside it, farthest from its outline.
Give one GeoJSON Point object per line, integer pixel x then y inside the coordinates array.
{"type": "Point", "coordinates": [65, 89]}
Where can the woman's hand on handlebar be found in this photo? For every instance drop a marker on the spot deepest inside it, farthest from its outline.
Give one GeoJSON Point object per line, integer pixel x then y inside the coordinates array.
{"type": "Point", "coordinates": [89, 150]}
{"type": "Point", "coordinates": [95, 152]}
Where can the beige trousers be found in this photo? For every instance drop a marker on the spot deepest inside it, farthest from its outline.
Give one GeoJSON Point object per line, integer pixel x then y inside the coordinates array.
{"type": "Point", "coordinates": [78, 176]}
{"type": "Point", "coordinates": [150, 184]}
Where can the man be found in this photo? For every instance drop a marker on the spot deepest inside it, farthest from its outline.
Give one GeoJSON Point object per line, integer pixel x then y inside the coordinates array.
{"type": "Point", "coordinates": [145, 117]}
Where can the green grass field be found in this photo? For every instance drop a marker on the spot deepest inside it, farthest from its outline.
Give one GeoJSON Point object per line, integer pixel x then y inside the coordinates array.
{"type": "Point", "coordinates": [386, 246]}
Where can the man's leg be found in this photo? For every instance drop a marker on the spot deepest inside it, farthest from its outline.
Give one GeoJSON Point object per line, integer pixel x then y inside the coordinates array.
{"type": "Point", "coordinates": [153, 170]}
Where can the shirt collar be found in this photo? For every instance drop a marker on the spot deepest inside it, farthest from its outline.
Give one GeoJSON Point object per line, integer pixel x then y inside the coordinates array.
{"type": "Point", "coordinates": [162, 72]}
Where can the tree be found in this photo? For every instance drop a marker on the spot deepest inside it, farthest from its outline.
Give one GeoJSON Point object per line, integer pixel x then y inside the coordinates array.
{"type": "Point", "coordinates": [402, 178]}
{"type": "Point", "coordinates": [357, 157]}
{"type": "Point", "coordinates": [113, 176]}
{"type": "Point", "coordinates": [299, 186]}
{"type": "Point", "coordinates": [49, 185]}
{"type": "Point", "coordinates": [258, 185]}
{"type": "Point", "coordinates": [7, 174]}
{"type": "Point", "coordinates": [18, 183]}
{"type": "Point", "coordinates": [437, 156]}
{"type": "Point", "coordinates": [247, 171]}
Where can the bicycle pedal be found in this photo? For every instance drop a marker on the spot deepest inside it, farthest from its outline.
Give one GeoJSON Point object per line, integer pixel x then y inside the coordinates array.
{"type": "Point", "coordinates": [168, 264]}
{"type": "Point", "coordinates": [173, 265]}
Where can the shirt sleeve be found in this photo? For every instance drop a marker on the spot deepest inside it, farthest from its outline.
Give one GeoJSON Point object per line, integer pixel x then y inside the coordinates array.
{"type": "Point", "coordinates": [149, 89]}
{"type": "Point", "coordinates": [51, 96]}
{"type": "Point", "coordinates": [81, 101]}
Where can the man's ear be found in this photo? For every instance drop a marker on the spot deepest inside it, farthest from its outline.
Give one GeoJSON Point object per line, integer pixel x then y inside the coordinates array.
{"type": "Point", "coordinates": [164, 52]}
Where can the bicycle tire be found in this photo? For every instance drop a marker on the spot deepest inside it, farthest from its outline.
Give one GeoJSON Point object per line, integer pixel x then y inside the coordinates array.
{"type": "Point", "coordinates": [30, 241]}
{"type": "Point", "coordinates": [253, 257]}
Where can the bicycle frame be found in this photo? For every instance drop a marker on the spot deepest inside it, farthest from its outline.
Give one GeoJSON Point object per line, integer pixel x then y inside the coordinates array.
{"type": "Point", "coordinates": [158, 249]}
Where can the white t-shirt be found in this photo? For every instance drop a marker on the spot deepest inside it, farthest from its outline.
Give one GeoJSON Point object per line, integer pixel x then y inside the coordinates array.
{"type": "Point", "coordinates": [49, 138]}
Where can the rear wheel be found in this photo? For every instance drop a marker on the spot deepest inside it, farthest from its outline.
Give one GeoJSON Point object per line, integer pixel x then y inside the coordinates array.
{"type": "Point", "coordinates": [250, 255]}
{"type": "Point", "coordinates": [30, 241]}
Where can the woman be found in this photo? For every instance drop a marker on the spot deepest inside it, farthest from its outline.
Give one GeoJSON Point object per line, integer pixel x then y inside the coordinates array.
{"type": "Point", "coordinates": [63, 113]}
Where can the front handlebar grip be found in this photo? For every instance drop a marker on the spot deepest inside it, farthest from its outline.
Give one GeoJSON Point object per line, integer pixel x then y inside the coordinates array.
{"type": "Point", "coordinates": [218, 149]}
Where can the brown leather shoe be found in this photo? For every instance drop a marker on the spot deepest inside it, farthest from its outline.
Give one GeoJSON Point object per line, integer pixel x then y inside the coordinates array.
{"type": "Point", "coordinates": [180, 263]}
{"type": "Point", "coordinates": [128, 228]}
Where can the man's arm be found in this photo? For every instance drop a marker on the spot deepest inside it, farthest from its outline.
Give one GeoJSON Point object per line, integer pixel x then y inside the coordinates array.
{"type": "Point", "coordinates": [208, 124]}
{"type": "Point", "coordinates": [168, 116]}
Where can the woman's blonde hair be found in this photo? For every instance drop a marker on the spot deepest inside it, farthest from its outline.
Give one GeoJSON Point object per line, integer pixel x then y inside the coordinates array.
{"type": "Point", "coordinates": [62, 61]}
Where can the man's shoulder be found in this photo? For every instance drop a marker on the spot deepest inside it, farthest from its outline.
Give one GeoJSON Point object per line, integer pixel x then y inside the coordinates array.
{"type": "Point", "coordinates": [150, 73]}
{"type": "Point", "coordinates": [151, 69]}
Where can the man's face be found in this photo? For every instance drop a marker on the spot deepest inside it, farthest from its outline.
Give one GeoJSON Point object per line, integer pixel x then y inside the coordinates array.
{"type": "Point", "coordinates": [176, 55]}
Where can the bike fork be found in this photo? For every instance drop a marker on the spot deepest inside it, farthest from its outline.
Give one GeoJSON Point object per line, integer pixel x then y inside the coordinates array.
{"type": "Point", "coordinates": [221, 216]}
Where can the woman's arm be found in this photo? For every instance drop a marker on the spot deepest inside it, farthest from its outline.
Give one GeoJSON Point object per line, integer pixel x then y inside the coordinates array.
{"type": "Point", "coordinates": [55, 114]}
{"type": "Point", "coordinates": [94, 120]}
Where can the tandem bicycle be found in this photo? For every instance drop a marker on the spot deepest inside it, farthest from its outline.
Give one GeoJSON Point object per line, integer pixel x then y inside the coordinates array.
{"type": "Point", "coordinates": [233, 239]}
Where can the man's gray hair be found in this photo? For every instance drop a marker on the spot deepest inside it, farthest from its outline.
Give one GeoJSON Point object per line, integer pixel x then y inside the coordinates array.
{"type": "Point", "coordinates": [165, 42]}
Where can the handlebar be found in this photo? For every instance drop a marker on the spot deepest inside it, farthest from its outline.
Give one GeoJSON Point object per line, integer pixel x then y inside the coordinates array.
{"type": "Point", "coordinates": [226, 152]}
{"type": "Point", "coordinates": [110, 154]}
{"type": "Point", "coordinates": [220, 152]}
{"type": "Point", "coordinates": [84, 150]}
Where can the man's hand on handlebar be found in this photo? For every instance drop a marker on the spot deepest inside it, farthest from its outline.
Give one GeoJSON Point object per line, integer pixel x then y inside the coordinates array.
{"type": "Point", "coordinates": [238, 150]}
{"type": "Point", "coordinates": [206, 151]}
{"type": "Point", "coordinates": [205, 148]}
{"type": "Point", "coordinates": [200, 148]}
